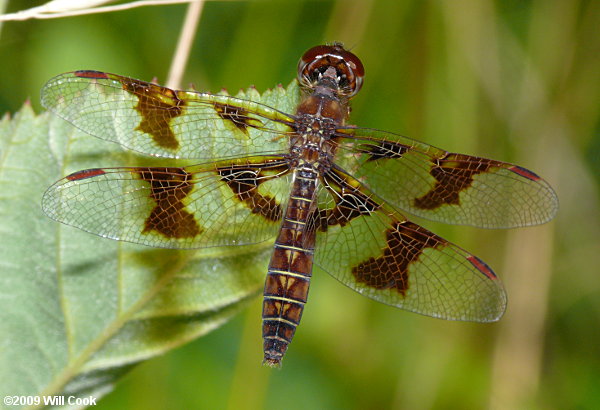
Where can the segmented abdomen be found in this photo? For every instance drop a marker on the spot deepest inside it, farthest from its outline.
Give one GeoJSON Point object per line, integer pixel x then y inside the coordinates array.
{"type": "Point", "coordinates": [290, 269]}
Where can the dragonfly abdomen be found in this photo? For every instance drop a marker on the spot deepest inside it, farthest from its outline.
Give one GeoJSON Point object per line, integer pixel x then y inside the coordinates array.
{"type": "Point", "coordinates": [290, 269]}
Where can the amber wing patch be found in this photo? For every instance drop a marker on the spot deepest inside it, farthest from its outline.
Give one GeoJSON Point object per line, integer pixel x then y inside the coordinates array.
{"type": "Point", "coordinates": [237, 116]}
{"type": "Point", "coordinates": [350, 201]}
{"type": "Point", "coordinates": [169, 187]}
{"type": "Point", "coordinates": [453, 174]}
{"type": "Point", "coordinates": [158, 106]}
{"type": "Point", "coordinates": [244, 181]}
{"type": "Point", "coordinates": [383, 150]}
{"type": "Point", "coordinates": [405, 243]}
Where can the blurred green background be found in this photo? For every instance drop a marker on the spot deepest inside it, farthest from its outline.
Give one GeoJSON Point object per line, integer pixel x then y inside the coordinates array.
{"type": "Point", "coordinates": [517, 81]}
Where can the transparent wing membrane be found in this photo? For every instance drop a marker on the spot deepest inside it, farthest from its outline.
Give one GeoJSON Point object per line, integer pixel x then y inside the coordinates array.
{"type": "Point", "coordinates": [158, 121]}
{"type": "Point", "coordinates": [220, 204]}
{"type": "Point", "coordinates": [447, 187]}
{"type": "Point", "coordinates": [375, 250]}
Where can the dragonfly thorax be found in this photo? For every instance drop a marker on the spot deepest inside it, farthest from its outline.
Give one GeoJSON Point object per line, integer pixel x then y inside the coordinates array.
{"type": "Point", "coordinates": [312, 144]}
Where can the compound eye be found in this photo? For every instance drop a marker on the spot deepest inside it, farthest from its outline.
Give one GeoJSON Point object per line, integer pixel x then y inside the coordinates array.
{"type": "Point", "coordinates": [312, 65]}
{"type": "Point", "coordinates": [348, 67]}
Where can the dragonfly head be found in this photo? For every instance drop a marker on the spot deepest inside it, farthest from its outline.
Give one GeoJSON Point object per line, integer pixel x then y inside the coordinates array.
{"type": "Point", "coordinates": [331, 63]}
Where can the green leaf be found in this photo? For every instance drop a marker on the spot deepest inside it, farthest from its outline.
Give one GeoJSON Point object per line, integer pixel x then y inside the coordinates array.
{"type": "Point", "coordinates": [76, 310]}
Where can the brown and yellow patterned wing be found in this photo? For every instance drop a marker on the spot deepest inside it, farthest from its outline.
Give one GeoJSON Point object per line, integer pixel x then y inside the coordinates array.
{"type": "Point", "coordinates": [159, 121]}
{"type": "Point", "coordinates": [443, 186]}
{"type": "Point", "coordinates": [226, 203]}
{"type": "Point", "coordinates": [376, 251]}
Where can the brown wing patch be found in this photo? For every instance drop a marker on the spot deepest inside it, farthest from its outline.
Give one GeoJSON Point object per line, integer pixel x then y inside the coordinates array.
{"type": "Point", "coordinates": [169, 187]}
{"type": "Point", "coordinates": [157, 106]}
{"type": "Point", "coordinates": [237, 116]}
{"type": "Point", "coordinates": [405, 243]}
{"type": "Point", "coordinates": [383, 150]}
{"type": "Point", "coordinates": [350, 201]}
{"type": "Point", "coordinates": [244, 181]}
{"type": "Point", "coordinates": [453, 174]}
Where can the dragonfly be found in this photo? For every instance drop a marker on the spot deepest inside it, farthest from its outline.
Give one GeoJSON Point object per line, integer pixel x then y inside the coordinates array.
{"type": "Point", "coordinates": [324, 192]}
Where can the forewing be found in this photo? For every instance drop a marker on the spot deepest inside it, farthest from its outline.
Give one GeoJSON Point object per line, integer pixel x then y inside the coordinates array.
{"type": "Point", "coordinates": [443, 186]}
{"type": "Point", "coordinates": [159, 121]}
{"type": "Point", "coordinates": [227, 203]}
{"type": "Point", "coordinates": [376, 251]}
